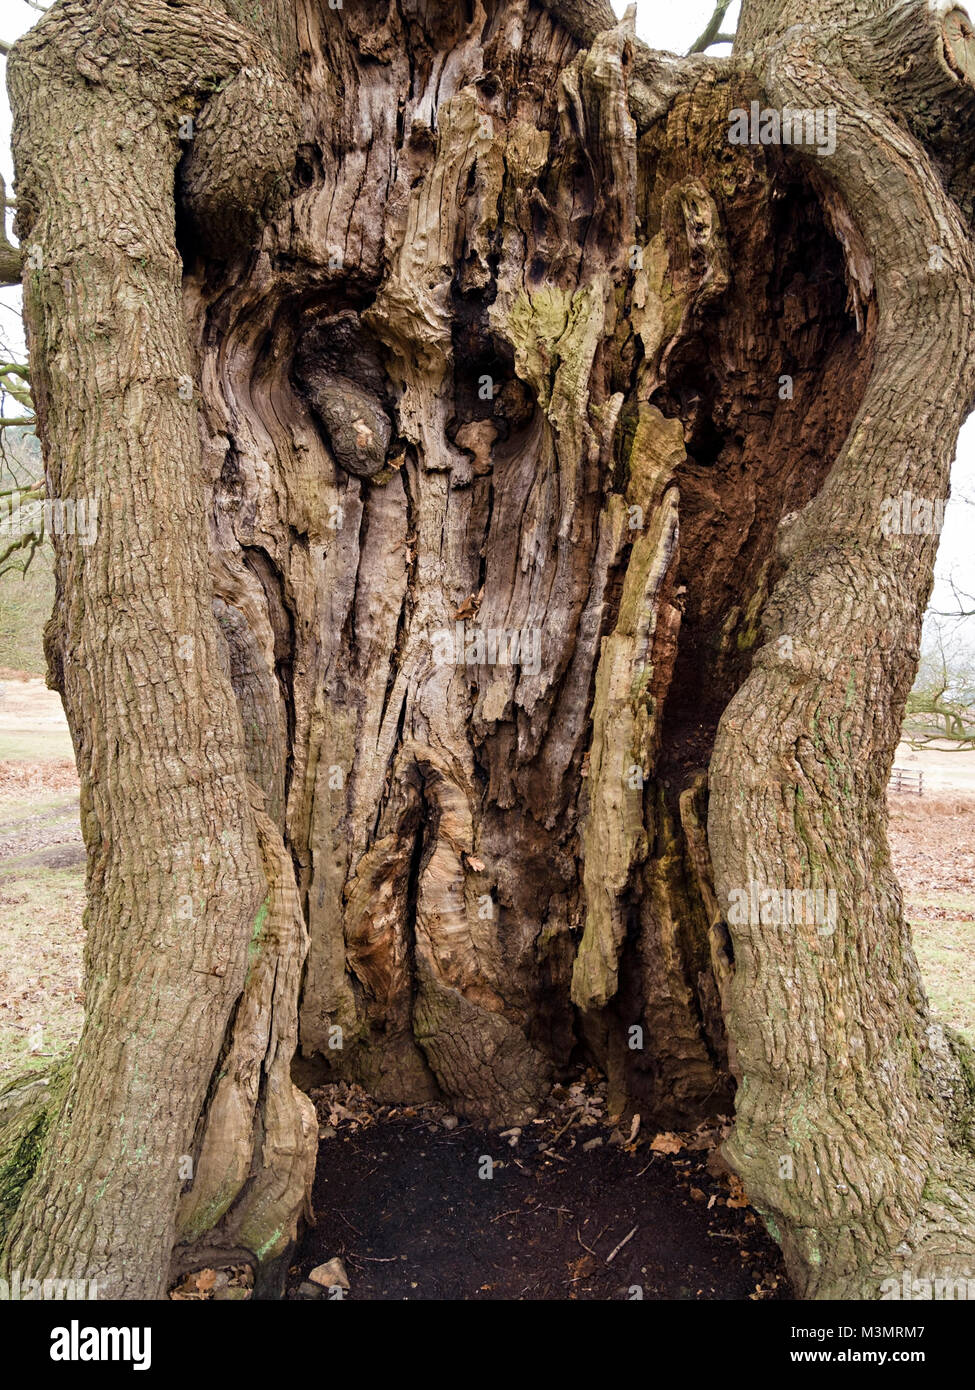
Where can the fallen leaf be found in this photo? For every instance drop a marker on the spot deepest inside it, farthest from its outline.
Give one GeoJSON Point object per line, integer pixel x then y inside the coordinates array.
{"type": "Point", "coordinates": [666, 1144]}
{"type": "Point", "coordinates": [581, 1267]}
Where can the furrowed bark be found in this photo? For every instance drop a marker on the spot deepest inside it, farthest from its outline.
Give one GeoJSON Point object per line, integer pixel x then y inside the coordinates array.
{"type": "Point", "coordinates": [133, 647]}
{"type": "Point", "coordinates": [861, 1180]}
{"type": "Point", "coordinates": [517, 555]}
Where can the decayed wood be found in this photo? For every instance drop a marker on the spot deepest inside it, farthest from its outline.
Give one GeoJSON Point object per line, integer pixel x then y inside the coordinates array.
{"type": "Point", "coordinates": [488, 325]}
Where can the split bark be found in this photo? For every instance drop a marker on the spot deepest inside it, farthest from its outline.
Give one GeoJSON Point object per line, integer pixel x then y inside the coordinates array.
{"type": "Point", "coordinates": [496, 346]}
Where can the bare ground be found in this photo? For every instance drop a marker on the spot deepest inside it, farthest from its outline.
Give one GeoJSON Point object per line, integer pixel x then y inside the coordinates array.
{"type": "Point", "coordinates": [419, 1205]}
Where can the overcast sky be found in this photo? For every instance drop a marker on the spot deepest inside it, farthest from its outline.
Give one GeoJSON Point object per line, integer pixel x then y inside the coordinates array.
{"type": "Point", "coordinates": [665, 24]}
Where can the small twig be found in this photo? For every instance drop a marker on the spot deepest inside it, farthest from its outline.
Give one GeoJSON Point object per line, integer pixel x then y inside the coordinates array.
{"type": "Point", "coordinates": [529, 1211]}
{"type": "Point", "coordinates": [574, 1116]}
{"type": "Point", "coordinates": [619, 1247]}
{"type": "Point", "coordinates": [513, 1212]}
{"type": "Point", "coordinates": [584, 1245]}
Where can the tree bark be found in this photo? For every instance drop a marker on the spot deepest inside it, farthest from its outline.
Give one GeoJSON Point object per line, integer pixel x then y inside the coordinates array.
{"type": "Point", "coordinates": [133, 645]}
{"type": "Point", "coordinates": [879, 1177]}
{"type": "Point", "coordinates": [487, 323]}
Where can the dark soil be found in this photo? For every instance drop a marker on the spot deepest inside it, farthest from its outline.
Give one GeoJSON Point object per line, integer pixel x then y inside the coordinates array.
{"type": "Point", "coordinates": [400, 1201]}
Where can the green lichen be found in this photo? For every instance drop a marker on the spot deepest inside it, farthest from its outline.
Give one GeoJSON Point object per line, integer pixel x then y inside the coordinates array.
{"type": "Point", "coordinates": [536, 323]}
{"type": "Point", "coordinates": [271, 1241]}
{"type": "Point", "coordinates": [255, 942]}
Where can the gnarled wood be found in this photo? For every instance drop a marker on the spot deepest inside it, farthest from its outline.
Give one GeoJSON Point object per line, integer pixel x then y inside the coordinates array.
{"type": "Point", "coordinates": [527, 497]}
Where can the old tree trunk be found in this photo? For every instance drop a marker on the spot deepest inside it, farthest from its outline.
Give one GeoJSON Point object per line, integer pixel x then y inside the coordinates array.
{"type": "Point", "coordinates": [364, 322]}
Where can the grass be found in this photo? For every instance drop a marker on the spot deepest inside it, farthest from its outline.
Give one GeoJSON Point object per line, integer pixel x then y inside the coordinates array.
{"type": "Point", "coordinates": [26, 602]}
{"type": "Point", "coordinates": [34, 745]}
{"type": "Point", "coordinates": [41, 943]}
{"type": "Point", "coordinates": [945, 947]}
{"type": "Point", "coordinates": [16, 809]}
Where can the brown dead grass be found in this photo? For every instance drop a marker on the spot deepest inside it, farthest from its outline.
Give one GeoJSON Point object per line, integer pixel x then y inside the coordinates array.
{"type": "Point", "coordinates": [22, 781]}
{"type": "Point", "coordinates": [41, 945]}
{"type": "Point", "coordinates": [932, 841]}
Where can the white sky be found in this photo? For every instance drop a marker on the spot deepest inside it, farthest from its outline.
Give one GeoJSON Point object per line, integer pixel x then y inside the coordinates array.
{"type": "Point", "coordinates": [664, 24]}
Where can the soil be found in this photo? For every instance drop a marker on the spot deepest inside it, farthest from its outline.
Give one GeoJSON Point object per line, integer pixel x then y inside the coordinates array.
{"type": "Point", "coordinates": [402, 1203]}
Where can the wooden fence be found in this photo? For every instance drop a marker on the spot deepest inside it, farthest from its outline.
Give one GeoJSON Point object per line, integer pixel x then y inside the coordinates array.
{"type": "Point", "coordinates": [901, 780]}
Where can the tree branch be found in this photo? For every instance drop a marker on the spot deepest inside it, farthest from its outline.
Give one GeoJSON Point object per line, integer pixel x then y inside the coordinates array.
{"type": "Point", "coordinates": [584, 19]}
{"type": "Point", "coordinates": [657, 77]}
{"type": "Point", "coordinates": [11, 261]}
{"type": "Point", "coordinates": [712, 34]}
{"type": "Point", "coordinates": [920, 64]}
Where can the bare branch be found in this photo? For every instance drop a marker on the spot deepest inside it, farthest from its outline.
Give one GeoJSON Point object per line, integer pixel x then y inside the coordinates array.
{"type": "Point", "coordinates": [11, 261]}
{"type": "Point", "coordinates": [712, 34]}
{"type": "Point", "coordinates": [31, 540]}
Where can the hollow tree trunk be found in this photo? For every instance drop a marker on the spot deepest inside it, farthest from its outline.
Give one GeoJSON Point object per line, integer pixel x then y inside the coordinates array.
{"type": "Point", "coordinates": [469, 326]}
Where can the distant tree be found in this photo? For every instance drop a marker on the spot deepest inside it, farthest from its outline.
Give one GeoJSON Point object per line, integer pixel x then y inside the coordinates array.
{"type": "Point", "coordinates": [941, 705]}
{"type": "Point", "coordinates": [18, 485]}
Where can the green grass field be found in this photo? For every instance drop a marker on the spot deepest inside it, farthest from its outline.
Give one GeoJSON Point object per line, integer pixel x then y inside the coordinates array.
{"type": "Point", "coordinates": [34, 745]}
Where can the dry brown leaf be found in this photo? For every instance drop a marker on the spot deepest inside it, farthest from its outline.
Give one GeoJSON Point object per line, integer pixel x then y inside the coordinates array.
{"type": "Point", "coordinates": [737, 1197]}
{"type": "Point", "coordinates": [581, 1267]}
{"type": "Point", "coordinates": [666, 1144]}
